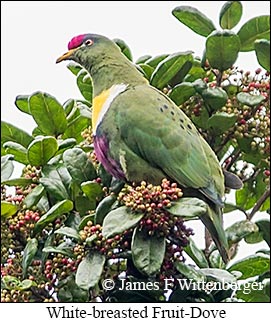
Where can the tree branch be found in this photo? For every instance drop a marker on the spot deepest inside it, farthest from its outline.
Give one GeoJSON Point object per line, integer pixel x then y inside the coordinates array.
{"type": "Point", "coordinates": [258, 205]}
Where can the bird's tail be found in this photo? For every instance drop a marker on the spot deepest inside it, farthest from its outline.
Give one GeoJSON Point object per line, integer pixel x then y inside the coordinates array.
{"type": "Point", "coordinates": [214, 223]}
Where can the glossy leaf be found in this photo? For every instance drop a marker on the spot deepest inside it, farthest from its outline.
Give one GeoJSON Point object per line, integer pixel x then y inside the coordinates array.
{"type": "Point", "coordinates": [168, 68]}
{"type": "Point", "coordinates": [124, 48]}
{"type": "Point", "coordinates": [84, 84]}
{"type": "Point", "coordinates": [92, 190]}
{"type": "Point", "coordinates": [20, 181]}
{"type": "Point", "coordinates": [89, 270]}
{"type": "Point", "coordinates": [217, 274]}
{"type": "Point", "coordinates": [221, 122]}
{"type": "Point", "coordinates": [262, 49]}
{"type": "Point", "coordinates": [182, 92]}
{"type": "Point", "coordinates": [48, 113]}
{"type": "Point", "coordinates": [239, 230]}
{"type": "Point", "coordinates": [222, 48]}
{"type": "Point", "coordinates": [143, 59]}
{"type": "Point", "coordinates": [250, 99]}
{"type": "Point", "coordinates": [7, 167]}
{"type": "Point", "coordinates": [190, 207]}
{"type": "Point", "coordinates": [251, 266]}
{"type": "Point", "coordinates": [146, 70]}
{"type": "Point", "coordinates": [70, 292]}
{"type": "Point", "coordinates": [56, 211]}
{"type": "Point", "coordinates": [34, 196]}
{"type": "Point", "coordinates": [253, 29]}
{"type": "Point", "coordinates": [8, 209]}
{"type": "Point", "coordinates": [189, 272]}
{"type": "Point", "coordinates": [230, 14]}
{"type": "Point", "coordinates": [78, 165]}
{"type": "Point", "coordinates": [148, 252]}
{"type": "Point", "coordinates": [59, 250]}
{"type": "Point", "coordinates": [18, 151]}
{"type": "Point", "coordinates": [104, 207]}
{"type": "Point", "coordinates": [68, 232]}
{"type": "Point", "coordinates": [120, 220]}
{"type": "Point", "coordinates": [41, 150]}
{"type": "Point", "coordinates": [30, 251]}
{"type": "Point", "coordinates": [154, 61]}
{"type": "Point", "coordinates": [85, 220]}
{"type": "Point", "coordinates": [214, 98]}
{"type": "Point", "coordinates": [194, 19]}
{"type": "Point", "coordinates": [74, 68]}
{"type": "Point", "coordinates": [21, 103]}
{"type": "Point", "coordinates": [252, 295]}
{"type": "Point", "coordinates": [55, 188]}
{"type": "Point", "coordinates": [264, 228]}
{"type": "Point", "coordinates": [196, 254]}
{"type": "Point", "coordinates": [12, 133]}
{"type": "Point", "coordinates": [66, 144]}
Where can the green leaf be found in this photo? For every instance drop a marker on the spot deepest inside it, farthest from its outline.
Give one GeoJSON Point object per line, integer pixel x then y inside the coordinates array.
{"type": "Point", "coordinates": [262, 49]}
{"type": "Point", "coordinates": [12, 133]}
{"type": "Point", "coordinates": [182, 92]}
{"type": "Point", "coordinates": [69, 232]}
{"type": "Point", "coordinates": [30, 251]}
{"type": "Point", "coordinates": [70, 292]}
{"type": "Point", "coordinates": [124, 48]}
{"type": "Point", "coordinates": [13, 283]}
{"type": "Point", "coordinates": [148, 252]}
{"type": "Point", "coordinates": [239, 230]}
{"type": "Point", "coordinates": [89, 270]}
{"type": "Point", "coordinates": [18, 151]}
{"type": "Point", "coordinates": [56, 181]}
{"type": "Point", "coordinates": [59, 249]}
{"type": "Point", "coordinates": [56, 211]}
{"type": "Point", "coordinates": [92, 190]}
{"type": "Point", "coordinates": [34, 196]}
{"type": "Point", "coordinates": [21, 103]}
{"type": "Point", "coordinates": [85, 220]}
{"type": "Point", "coordinates": [104, 207]}
{"type": "Point", "coordinates": [250, 99]}
{"type": "Point", "coordinates": [168, 68]}
{"type": "Point", "coordinates": [246, 197]}
{"type": "Point", "coordinates": [41, 150]}
{"type": "Point", "coordinates": [221, 121]}
{"type": "Point", "coordinates": [222, 48]}
{"type": "Point", "coordinates": [194, 19]}
{"type": "Point", "coordinates": [251, 266]}
{"type": "Point", "coordinates": [78, 165]}
{"type": "Point", "coordinates": [254, 237]}
{"type": "Point", "coordinates": [7, 167]}
{"type": "Point", "coordinates": [253, 29]}
{"type": "Point", "coordinates": [48, 113]}
{"type": "Point", "coordinates": [201, 120]}
{"type": "Point", "coordinates": [196, 254]}
{"type": "Point", "coordinates": [66, 144]}
{"type": "Point", "coordinates": [120, 220]}
{"type": "Point", "coordinates": [189, 272]}
{"type": "Point", "coordinates": [190, 207]}
{"type": "Point", "coordinates": [217, 274]}
{"type": "Point", "coordinates": [21, 181]}
{"type": "Point", "coordinates": [146, 70]}
{"type": "Point", "coordinates": [251, 293]}
{"type": "Point", "coordinates": [68, 106]}
{"type": "Point", "coordinates": [84, 84]}
{"type": "Point", "coordinates": [154, 61]}
{"type": "Point", "coordinates": [74, 68]}
{"type": "Point", "coordinates": [143, 59]}
{"type": "Point", "coordinates": [214, 98]}
{"type": "Point", "coordinates": [230, 14]}
{"type": "Point", "coordinates": [264, 228]}
{"type": "Point", "coordinates": [8, 209]}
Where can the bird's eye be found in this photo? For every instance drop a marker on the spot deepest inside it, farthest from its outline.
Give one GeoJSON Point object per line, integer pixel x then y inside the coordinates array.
{"type": "Point", "coordinates": [88, 42]}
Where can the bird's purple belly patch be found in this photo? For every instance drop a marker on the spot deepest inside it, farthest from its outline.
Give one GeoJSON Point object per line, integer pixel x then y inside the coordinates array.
{"type": "Point", "coordinates": [101, 148]}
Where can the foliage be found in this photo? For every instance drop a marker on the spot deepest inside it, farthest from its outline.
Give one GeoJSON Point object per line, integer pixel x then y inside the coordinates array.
{"type": "Point", "coordinates": [70, 226]}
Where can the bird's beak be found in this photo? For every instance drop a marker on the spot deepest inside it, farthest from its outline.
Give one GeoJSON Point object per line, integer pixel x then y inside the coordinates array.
{"type": "Point", "coordinates": [65, 56]}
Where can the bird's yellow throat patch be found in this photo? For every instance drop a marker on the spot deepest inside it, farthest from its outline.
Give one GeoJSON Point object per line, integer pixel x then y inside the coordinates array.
{"type": "Point", "coordinates": [101, 103]}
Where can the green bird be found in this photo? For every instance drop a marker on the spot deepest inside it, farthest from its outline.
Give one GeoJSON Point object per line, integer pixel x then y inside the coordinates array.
{"type": "Point", "coordinates": [140, 134]}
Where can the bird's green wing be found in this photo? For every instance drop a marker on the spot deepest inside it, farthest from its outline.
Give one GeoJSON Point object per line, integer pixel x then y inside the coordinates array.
{"type": "Point", "coordinates": [158, 132]}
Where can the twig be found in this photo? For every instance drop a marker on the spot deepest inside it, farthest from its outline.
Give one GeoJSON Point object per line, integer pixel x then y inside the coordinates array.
{"type": "Point", "coordinates": [258, 205]}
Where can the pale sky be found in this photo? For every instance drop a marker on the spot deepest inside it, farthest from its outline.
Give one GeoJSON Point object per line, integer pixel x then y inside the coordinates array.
{"type": "Point", "coordinates": [34, 34]}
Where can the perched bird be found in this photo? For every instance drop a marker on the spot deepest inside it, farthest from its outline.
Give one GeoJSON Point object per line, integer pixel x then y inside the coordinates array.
{"type": "Point", "coordinates": [140, 134]}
